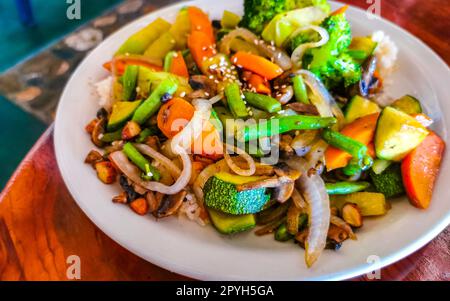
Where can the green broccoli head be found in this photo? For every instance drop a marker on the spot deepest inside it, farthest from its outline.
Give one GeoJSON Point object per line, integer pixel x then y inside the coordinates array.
{"type": "Point", "coordinates": [257, 13]}
{"type": "Point", "coordinates": [331, 62]}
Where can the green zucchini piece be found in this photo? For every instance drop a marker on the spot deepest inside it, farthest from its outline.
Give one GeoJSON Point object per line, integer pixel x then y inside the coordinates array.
{"type": "Point", "coordinates": [122, 111]}
{"type": "Point", "coordinates": [359, 107]}
{"type": "Point", "coordinates": [408, 104]}
{"type": "Point", "coordinates": [229, 224]}
{"type": "Point", "coordinates": [363, 46]}
{"type": "Point", "coordinates": [397, 134]}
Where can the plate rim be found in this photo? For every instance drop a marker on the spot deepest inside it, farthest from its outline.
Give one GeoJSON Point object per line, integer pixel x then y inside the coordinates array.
{"type": "Point", "coordinates": [170, 266]}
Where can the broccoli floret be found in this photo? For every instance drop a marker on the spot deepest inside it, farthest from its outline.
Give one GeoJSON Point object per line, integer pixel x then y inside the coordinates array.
{"type": "Point", "coordinates": [389, 182]}
{"type": "Point", "coordinates": [323, 4]}
{"type": "Point", "coordinates": [347, 71]}
{"type": "Point", "coordinates": [330, 62]}
{"type": "Point", "coordinates": [257, 13]}
{"type": "Point", "coordinates": [302, 38]}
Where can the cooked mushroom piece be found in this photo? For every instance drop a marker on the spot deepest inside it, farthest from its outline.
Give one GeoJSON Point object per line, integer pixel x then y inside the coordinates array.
{"type": "Point", "coordinates": [302, 143]}
{"type": "Point", "coordinates": [298, 200]}
{"type": "Point", "coordinates": [93, 157]}
{"type": "Point", "coordinates": [152, 201]}
{"type": "Point", "coordinates": [203, 87]}
{"type": "Point", "coordinates": [283, 170]}
{"type": "Point", "coordinates": [121, 198]}
{"type": "Point", "coordinates": [338, 222]}
{"type": "Point", "coordinates": [170, 204]}
{"type": "Point", "coordinates": [264, 183]}
{"type": "Point", "coordinates": [98, 131]}
{"type": "Point", "coordinates": [352, 215]}
{"type": "Point", "coordinates": [337, 234]}
{"type": "Point", "coordinates": [284, 191]}
{"type": "Point", "coordinates": [303, 108]}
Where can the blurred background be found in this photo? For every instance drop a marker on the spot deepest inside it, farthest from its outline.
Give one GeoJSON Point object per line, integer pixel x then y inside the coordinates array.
{"type": "Point", "coordinates": [39, 48]}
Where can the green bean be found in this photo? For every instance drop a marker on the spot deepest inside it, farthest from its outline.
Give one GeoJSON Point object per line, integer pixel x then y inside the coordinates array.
{"type": "Point", "coordinates": [282, 233]}
{"type": "Point", "coordinates": [300, 93]}
{"type": "Point", "coordinates": [345, 143]}
{"type": "Point", "coordinates": [152, 104]}
{"type": "Point", "coordinates": [263, 102]}
{"type": "Point", "coordinates": [285, 124]}
{"type": "Point", "coordinates": [145, 134]}
{"type": "Point", "coordinates": [346, 187]}
{"type": "Point", "coordinates": [235, 101]}
{"type": "Point", "coordinates": [129, 81]}
{"type": "Point", "coordinates": [113, 136]}
{"type": "Point", "coordinates": [150, 172]}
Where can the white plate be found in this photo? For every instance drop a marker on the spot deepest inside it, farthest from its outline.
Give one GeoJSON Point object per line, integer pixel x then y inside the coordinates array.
{"type": "Point", "coordinates": [200, 252]}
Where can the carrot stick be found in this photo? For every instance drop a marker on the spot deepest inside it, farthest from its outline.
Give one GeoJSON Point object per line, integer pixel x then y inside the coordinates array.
{"type": "Point", "coordinates": [257, 64]}
{"type": "Point", "coordinates": [340, 11]}
{"type": "Point", "coordinates": [200, 22]}
{"type": "Point", "coordinates": [201, 47]}
{"type": "Point", "coordinates": [259, 83]}
{"type": "Point", "coordinates": [178, 65]}
{"type": "Point", "coordinates": [420, 169]}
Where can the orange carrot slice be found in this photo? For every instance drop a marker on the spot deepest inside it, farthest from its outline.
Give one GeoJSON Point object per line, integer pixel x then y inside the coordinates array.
{"type": "Point", "coordinates": [257, 64]}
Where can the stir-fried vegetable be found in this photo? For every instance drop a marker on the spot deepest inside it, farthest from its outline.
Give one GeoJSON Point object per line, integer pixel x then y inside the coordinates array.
{"type": "Point", "coordinates": [193, 127]}
{"type": "Point", "coordinates": [257, 64]}
{"type": "Point", "coordinates": [282, 125]}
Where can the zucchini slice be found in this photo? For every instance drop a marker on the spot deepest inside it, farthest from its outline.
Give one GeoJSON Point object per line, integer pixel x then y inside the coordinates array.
{"type": "Point", "coordinates": [408, 104]}
{"type": "Point", "coordinates": [397, 134]}
{"type": "Point", "coordinates": [359, 107]}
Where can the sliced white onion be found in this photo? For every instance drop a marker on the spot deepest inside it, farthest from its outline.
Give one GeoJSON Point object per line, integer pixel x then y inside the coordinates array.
{"type": "Point", "coordinates": [194, 128]}
{"type": "Point", "coordinates": [215, 99]}
{"type": "Point", "coordinates": [234, 167]}
{"type": "Point", "coordinates": [168, 164]}
{"type": "Point", "coordinates": [204, 176]}
{"type": "Point", "coordinates": [298, 53]}
{"type": "Point", "coordinates": [279, 56]}
{"type": "Point", "coordinates": [316, 196]}
{"type": "Point", "coordinates": [321, 98]}
{"type": "Point", "coordinates": [133, 173]}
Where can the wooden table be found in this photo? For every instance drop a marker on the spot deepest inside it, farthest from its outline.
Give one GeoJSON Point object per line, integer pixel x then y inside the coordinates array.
{"type": "Point", "coordinates": [41, 225]}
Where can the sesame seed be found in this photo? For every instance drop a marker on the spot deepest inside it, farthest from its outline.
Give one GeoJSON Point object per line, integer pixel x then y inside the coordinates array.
{"type": "Point", "coordinates": [183, 94]}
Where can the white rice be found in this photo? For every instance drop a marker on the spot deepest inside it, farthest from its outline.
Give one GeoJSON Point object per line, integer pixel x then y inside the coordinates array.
{"type": "Point", "coordinates": [386, 53]}
{"type": "Point", "coordinates": [104, 91]}
{"type": "Point", "coordinates": [191, 209]}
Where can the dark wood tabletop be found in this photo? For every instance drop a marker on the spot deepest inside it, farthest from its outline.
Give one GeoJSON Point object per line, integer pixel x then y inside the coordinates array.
{"type": "Point", "coordinates": [41, 226]}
